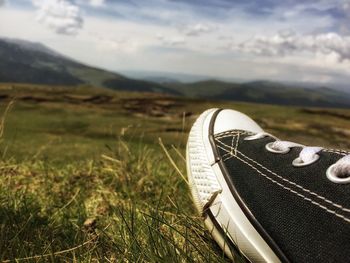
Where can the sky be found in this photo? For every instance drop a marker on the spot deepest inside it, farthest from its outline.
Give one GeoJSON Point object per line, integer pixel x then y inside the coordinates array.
{"type": "Point", "coordinates": [300, 40]}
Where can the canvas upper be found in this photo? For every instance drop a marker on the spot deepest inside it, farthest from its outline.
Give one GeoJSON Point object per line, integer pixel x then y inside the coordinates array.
{"type": "Point", "coordinates": [297, 210]}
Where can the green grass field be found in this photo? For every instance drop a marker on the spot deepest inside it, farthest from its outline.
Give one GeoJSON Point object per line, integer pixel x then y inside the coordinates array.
{"type": "Point", "coordinates": [94, 175]}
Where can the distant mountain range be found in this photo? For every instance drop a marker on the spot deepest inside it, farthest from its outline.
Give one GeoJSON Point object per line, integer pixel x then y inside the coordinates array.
{"type": "Point", "coordinates": [266, 92]}
{"type": "Point", "coordinates": [27, 62]}
{"type": "Point", "coordinates": [171, 77]}
{"type": "Point", "coordinates": [166, 77]}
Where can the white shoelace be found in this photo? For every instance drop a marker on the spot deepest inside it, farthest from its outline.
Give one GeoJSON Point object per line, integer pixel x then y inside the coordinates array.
{"type": "Point", "coordinates": [338, 172]}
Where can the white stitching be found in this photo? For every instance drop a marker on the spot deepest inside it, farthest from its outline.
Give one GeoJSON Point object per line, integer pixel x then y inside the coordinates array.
{"type": "Point", "coordinates": [342, 153]}
{"type": "Point", "coordinates": [233, 149]}
{"type": "Point", "coordinates": [339, 151]}
{"type": "Point", "coordinates": [290, 182]}
{"type": "Point", "coordinates": [229, 134]}
{"type": "Point", "coordinates": [226, 133]}
{"type": "Point", "coordinates": [228, 158]}
{"type": "Point", "coordinates": [292, 191]}
{"type": "Point", "coordinates": [236, 146]}
{"type": "Point", "coordinates": [225, 155]}
{"type": "Point", "coordinates": [232, 142]}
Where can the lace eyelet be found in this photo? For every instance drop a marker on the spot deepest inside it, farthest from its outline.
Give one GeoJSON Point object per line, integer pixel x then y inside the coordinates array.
{"type": "Point", "coordinates": [334, 177]}
{"type": "Point", "coordinates": [270, 149]}
{"type": "Point", "coordinates": [299, 163]}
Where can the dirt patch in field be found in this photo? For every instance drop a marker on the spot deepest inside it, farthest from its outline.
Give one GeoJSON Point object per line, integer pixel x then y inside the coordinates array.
{"type": "Point", "coordinates": [63, 98]}
{"type": "Point", "coordinates": [4, 97]}
{"type": "Point", "coordinates": [95, 99]}
{"type": "Point", "coordinates": [35, 99]}
{"type": "Point", "coordinates": [341, 131]}
{"type": "Point", "coordinates": [144, 107]}
{"type": "Point", "coordinates": [323, 112]}
{"type": "Point", "coordinates": [160, 108]}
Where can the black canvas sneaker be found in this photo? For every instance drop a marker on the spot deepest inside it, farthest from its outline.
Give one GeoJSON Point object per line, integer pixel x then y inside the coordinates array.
{"type": "Point", "coordinates": [277, 201]}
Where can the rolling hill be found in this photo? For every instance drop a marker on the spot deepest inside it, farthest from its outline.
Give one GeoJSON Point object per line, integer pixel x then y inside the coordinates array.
{"type": "Point", "coordinates": [34, 63]}
{"type": "Point", "coordinates": [27, 62]}
{"type": "Point", "coordinates": [265, 92]}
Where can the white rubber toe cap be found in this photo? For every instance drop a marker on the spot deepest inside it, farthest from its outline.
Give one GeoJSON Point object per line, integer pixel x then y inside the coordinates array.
{"type": "Point", "coordinates": [234, 120]}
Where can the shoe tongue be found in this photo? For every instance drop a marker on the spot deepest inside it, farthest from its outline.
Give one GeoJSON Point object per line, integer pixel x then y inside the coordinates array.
{"type": "Point", "coordinates": [233, 120]}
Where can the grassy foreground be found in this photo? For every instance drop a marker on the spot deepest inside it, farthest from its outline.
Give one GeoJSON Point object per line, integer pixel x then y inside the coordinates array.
{"type": "Point", "coordinates": [86, 175]}
{"type": "Point", "coordinates": [129, 206]}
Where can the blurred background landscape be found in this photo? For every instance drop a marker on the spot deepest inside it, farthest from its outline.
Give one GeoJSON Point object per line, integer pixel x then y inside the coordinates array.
{"type": "Point", "coordinates": [97, 98]}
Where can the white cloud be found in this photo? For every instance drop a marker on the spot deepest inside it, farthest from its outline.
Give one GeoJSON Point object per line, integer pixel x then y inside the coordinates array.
{"type": "Point", "coordinates": [97, 3]}
{"type": "Point", "coordinates": [2, 2]}
{"type": "Point", "coordinates": [197, 29]}
{"type": "Point", "coordinates": [171, 41]}
{"type": "Point", "coordinates": [288, 42]}
{"type": "Point", "coordinates": [131, 43]}
{"type": "Point", "coordinates": [345, 21]}
{"type": "Point", "coordinates": [61, 16]}
{"type": "Point", "coordinates": [120, 45]}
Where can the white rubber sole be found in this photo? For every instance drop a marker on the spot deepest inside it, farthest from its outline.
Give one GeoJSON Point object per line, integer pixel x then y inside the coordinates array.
{"type": "Point", "coordinates": [211, 194]}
